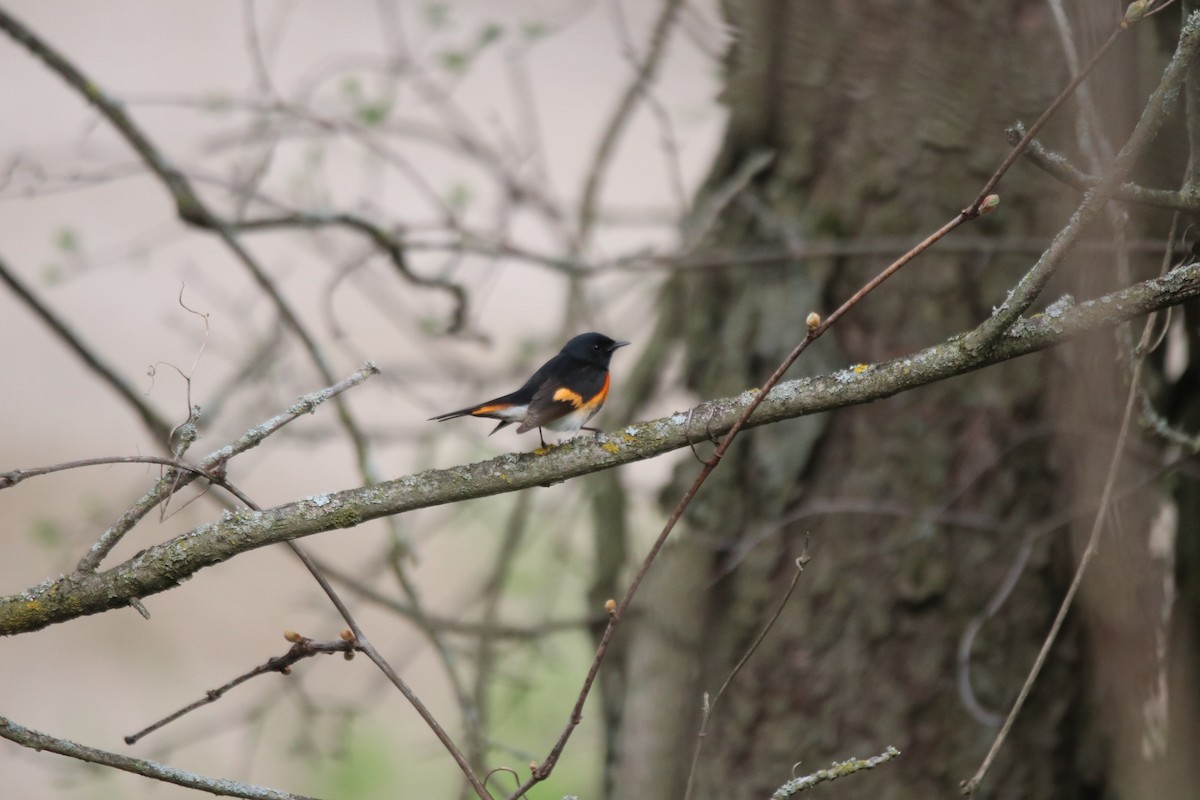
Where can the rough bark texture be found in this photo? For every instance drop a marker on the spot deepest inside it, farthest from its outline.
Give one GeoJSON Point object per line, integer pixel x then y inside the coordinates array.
{"type": "Point", "coordinates": [884, 119]}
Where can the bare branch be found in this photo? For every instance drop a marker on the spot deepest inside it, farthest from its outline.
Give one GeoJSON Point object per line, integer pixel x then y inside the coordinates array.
{"type": "Point", "coordinates": [839, 769]}
{"type": "Point", "coordinates": [189, 205]}
{"type": "Point", "coordinates": [1060, 167]}
{"type": "Point", "coordinates": [159, 427]}
{"type": "Point", "coordinates": [35, 740]}
{"type": "Point", "coordinates": [212, 463]}
{"type": "Point", "coordinates": [1032, 283]}
{"type": "Point", "coordinates": [301, 649]}
{"type": "Point", "coordinates": [163, 566]}
{"type": "Point", "coordinates": [643, 77]}
{"type": "Point", "coordinates": [710, 706]}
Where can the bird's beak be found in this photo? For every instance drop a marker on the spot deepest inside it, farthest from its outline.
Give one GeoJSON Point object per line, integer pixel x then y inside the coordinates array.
{"type": "Point", "coordinates": [616, 345]}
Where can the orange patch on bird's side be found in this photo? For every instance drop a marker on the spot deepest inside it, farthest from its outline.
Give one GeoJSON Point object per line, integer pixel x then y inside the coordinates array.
{"type": "Point", "coordinates": [566, 395]}
{"type": "Point", "coordinates": [596, 401]}
{"type": "Point", "coordinates": [490, 409]}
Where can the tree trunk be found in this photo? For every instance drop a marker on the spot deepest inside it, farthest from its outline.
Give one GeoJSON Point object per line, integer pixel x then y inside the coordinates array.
{"type": "Point", "coordinates": [882, 120]}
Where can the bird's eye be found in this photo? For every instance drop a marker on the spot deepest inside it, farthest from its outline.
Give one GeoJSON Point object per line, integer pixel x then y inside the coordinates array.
{"type": "Point", "coordinates": [596, 347]}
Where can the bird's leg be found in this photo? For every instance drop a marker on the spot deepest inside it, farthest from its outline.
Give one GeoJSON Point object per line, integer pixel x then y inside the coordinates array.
{"type": "Point", "coordinates": [543, 438]}
{"type": "Point", "coordinates": [595, 431]}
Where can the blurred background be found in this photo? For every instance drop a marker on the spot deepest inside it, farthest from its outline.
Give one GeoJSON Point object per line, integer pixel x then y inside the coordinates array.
{"type": "Point", "coordinates": [468, 128]}
{"type": "Point", "coordinates": [451, 190]}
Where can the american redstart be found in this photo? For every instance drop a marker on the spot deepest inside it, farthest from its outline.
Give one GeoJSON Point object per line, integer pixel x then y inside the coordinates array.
{"type": "Point", "coordinates": [562, 395]}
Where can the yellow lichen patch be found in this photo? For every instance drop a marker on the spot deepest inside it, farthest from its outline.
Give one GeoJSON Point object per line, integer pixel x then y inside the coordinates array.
{"type": "Point", "coordinates": [611, 447]}
{"type": "Point", "coordinates": [541, 451]}
{"type": "Point", "coordinates": [859, 369]}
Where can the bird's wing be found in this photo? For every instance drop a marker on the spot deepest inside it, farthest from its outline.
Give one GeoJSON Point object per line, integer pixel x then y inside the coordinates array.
{"type": "Point", "coordinates": [554, 400]}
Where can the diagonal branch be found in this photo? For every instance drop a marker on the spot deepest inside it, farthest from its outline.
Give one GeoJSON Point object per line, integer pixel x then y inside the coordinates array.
{"type": "Point", "coordinates": [159, 427]}
{"type": "Point", "coordinates": [190, 207]}
{"type": "Point", "coordinates": [1059, 166]}
{"type": "Point", "coordinates": [164, 566]}
{"type": "Point", "coordinates": [172, 482]}
{"type": "Point", "coordinates": [1089, 211]}
{"type": "Point", "coordinates": [223, 787]}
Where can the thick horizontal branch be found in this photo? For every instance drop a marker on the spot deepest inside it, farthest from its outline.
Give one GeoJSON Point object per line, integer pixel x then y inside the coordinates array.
{"type": "Point", "coordinates": [166, 565]}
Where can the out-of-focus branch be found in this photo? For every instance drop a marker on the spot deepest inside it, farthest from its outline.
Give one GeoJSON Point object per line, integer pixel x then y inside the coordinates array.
{"type": "Point", "coordinates": [1060, 167]}
{"type": "Point", "coordinates": [190, 207]}
{"type": "Point", "coordinates": [160, 429]}
{"type": "Point", "coordinates": [389, 242]}
{"type": "Point", "coordinates": [165, 565]}
{"type": "Point", "coordinates": [172, 482]}
{"type": "Point", "coordinates": [840, 769]}
{"type": "Point", "coordinates": [1089, 211]}
{"type": "Point", "coordinates": [643, 77]}
{"type": "Point", "coordinates": [35, 740]}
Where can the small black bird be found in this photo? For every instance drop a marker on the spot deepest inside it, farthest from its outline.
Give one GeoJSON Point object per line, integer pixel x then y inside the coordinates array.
{"type": "Point", "coordinates": [562, 395]}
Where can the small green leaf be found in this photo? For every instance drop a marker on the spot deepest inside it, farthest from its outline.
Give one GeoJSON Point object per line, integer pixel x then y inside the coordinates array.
{"type": "Point", "coordinates": [490, 33]}
{"type": "Point", "coordinates": [352, 88]}
{"type": "Point", "coordinates": [373, 114]}
{"type": "Point", "coordinates": [46, 533]}
{"type": "Point", "coordinates": [455, 61]}
{"type": "Point", "coordinates": [437, 15]}
{"type": "Point", "coordinates": [66, 240]}
{"type": "Point", "coordinates": [459, 196]}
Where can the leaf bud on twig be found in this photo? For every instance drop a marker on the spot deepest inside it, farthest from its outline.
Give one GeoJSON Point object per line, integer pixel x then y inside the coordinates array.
{"type": "Point", "coordinates": [1134, 13]}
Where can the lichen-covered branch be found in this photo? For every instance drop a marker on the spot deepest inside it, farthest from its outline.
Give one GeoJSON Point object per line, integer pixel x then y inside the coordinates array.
{"type": "Point", "coordinates": [166, 565]}
{"type": "Point", "coordinates": [839, 769]}
{"type": "Point", "coordinates": [222, 787]}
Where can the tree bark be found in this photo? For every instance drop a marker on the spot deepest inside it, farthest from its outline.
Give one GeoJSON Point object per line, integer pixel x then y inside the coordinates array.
{"type": "Point", "coordinates": [882, 120]}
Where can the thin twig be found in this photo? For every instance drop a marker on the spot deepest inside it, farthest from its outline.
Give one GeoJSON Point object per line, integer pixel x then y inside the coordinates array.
{"type": "Point", "coordinates": [1059, 166]}
{"type": "Point", "coordinates": [983, 203]}
{"type": "Point", "coordinates": [710, 706]}
{"type": "Point", "coordinates": [365, 646]}
{"type": "Point", "coordinates": [643, 77]}
{"type": "Point", "coordinates": [457, 625]}
{"type": "Point", "coordinates": [213, 463]}
{"type": "Point", "coordinates": [972, 785]}
{"type": "Point", "coordinates": [1093, 205]}
{"type": "Point", "coordinates": [302, 648]}
{"type": "Point", "coordinates": [14, 476]}
{"type": "Point", "coordinates": [160, 428]}
{"type": "Point", "coordinates": [1040, 122]}
{"type": "Point", "coordinates": [543, 770]}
